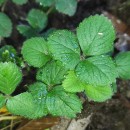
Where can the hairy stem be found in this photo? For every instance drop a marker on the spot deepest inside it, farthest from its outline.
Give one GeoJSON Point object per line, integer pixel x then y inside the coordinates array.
{"type": "Point", "coordinates": [50, 9]}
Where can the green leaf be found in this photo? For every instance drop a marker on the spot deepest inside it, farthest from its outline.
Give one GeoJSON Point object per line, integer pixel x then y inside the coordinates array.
{"type": "Point", "coordinates": [114, 87]}
{"type": "Point", "coordinates": [37, 19]}
{"type": "Point", "coordinates": [66, 6]}
{"type": "Point", "coordinates": [2, 101]}
{"type": "Point", "coordinates": [20, 2]}
{"type": "Point", "coordinates": [60, 103]}
{"type": "Point", "coordinates": [1, 2]}
{"type": "Point", "coordinates": [98, 71]}
{"type": "Point", "coordinates": [52, 73]}
{"type": "Point", "coordinates": [7, 53]}
{"type": "Point", "coordinates": [27, 31]}
{"type": "Point", "coordinates": [123, 64]}
{"type": "Point", "coordinates": [99, 93]}
{"type": "Point", "coordinates": [64, 47]}
{"type": "Point", "coordinates": [22, 105]}
{"type": "Point", "coordinates": [35, 52]}
{"type": "Point", "coordinates": [5, 25]}
{"type": "Point", "coordinates": [46, 2]}
{"type": "Point", "coordinates": [72, 83]}
{"type": "Point", "coordinates": [96, 35]}
{"type": "Point", "coordinates": [39, 92]}
{"type": "Point", "coordinates": [10, 77]}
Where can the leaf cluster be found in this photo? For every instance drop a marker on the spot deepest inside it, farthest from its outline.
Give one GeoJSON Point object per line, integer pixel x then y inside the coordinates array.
{"type": "Point", "coordinates": [66, 64]}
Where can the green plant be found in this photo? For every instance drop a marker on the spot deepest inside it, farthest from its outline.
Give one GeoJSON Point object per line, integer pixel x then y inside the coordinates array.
{"type": "Point", "coordinates": [19, 2]}
{"type": "Point", "coordinates": [64, 6]}
{"type": "Point", "coordinates": [66, 64]}
{"type": "Point", "coordinates": [5, 25]}
{"type": "Point", "coordinates": [9, 54]}
{"type": "Point", "coordinates": [37, 20]}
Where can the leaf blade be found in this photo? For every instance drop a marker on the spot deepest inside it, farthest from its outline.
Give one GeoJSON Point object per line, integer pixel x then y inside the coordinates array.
{"type": "Point", "coordinates": [5, 25]}
{"type": "Point", "coordinates": [39, 92]}
{"type": "Point", "coordinates": [64, 104]}
{"type": "Point", "coordinates": [37, 19]}
{"type": "Point", "coordinates": [10, 76]}
{"type": "Point", "coordinates": [96, 35]}
{"type": "Point", "coordinates": [67, 7]}
{"type": "Point", "coordinates": [97, 70]}
{"type": "Point", "coordinates": [35, 52]}
{"type": "Point", "coordinates": [123, 64]}
{"type": "Point", "coordinates": [98, 93]}
{"type": "Point", "coordinates": [2, 101]}
{"type": "Point", "coordinates": [64, 47]}
{"type": "Point", "coordinates": [72, 83]}
{"type": "Point", "coordinates": [52, 73]}
{"type": "Point", "coordinates": [22, 105]}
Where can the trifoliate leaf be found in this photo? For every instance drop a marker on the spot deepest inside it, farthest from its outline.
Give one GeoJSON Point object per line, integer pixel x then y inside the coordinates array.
{"type": "Point", "coordinates": [5, 25]}
{"type": "Point", "coordinates": [10, 77]}
{"type": "Point", "coordinates": [20, 2]}
{"type": "Point", "coordinates": [46, 2]}
{"type": "Point", "coordinates": [72, 83]}
{"type": "Point", "coordinates": [98, 93]}
{"type": "Point", "coordinates": [2, 101]}
{"type": "Point", "coordinates": [37, 19]}
{"type": "Point", "coordinates": [66, 6]}
{"type": "Point", "coordinates": [123, 64]}
{"type": "Point", "coordinates": [64, 47]}
{"type": "Point", "coordinates": [98, 70]}
{"type": "Point", "coordinates": [96, 35]}
{"type": "Point", "coordinates": [52, 73]}
{"type": "Point", "coordinates": [61, 103]}
{"type": "Point", "coordinates": [35, 52]}
{"type": "Point", "coordinates": [27, 31]}
{"type": "Point", "coordinates": [39, 92]}
{"type": "Point", "coordinates": [22, 105]}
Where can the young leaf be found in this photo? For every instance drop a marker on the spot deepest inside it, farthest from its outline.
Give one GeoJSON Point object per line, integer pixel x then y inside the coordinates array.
{"type": "Point", "coordinates": [52, 73]}
{"type": "Point", "coordinates": [20, 2]}
{"type": "Point", "coordinates": [22, 105]}
{"type": "Point", "coordinates": [98, 93]}
{"type": "Point", "coordinates": [35, 52]}
{"type": "Point", "coordinates": [2, 101]}
{"type": "Point", "coordinates": [64, 47]}
{"type": "Point", "coordinates": [46, 2]}
{"type": "Point", "coordinates": [37, 19]}
{"type": "Point", "coordinates": [39, 92]}
{"type": "Point", "coordinates": [60, 103]}
{"type": "Point", "coordinates": [10, 77]}
{"type": "Point", "coordinates": [66, 6]}
{"type": "Point", "coordinates": [27, 31]}
{"type": "Point", "coordinates": [123, 64]}
{"type": "Point", "coordinates": [7, 53]}
{"type": "Point", "coordinates": [72, 83]}
{"type": "Point", "coordinates": [96, 35]}
{"type": "Point", "coordinates": [5, 25]}
{"type": "Point", "coordinates": [98, 70]}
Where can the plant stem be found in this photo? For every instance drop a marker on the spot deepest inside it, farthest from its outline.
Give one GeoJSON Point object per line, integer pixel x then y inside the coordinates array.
{"type": "Point", "coordinates": [3, 6]}
{"type": "Point", "coordinates": [5, 114]}
{"type": "Point", "coordinates": [50, 9]}
{"type": "Point", "coordinates": [11, 125]}
{"type": "Point", "coordinates": [5, 128]}
{"type": "Point", "coordinates": [10, 118]}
